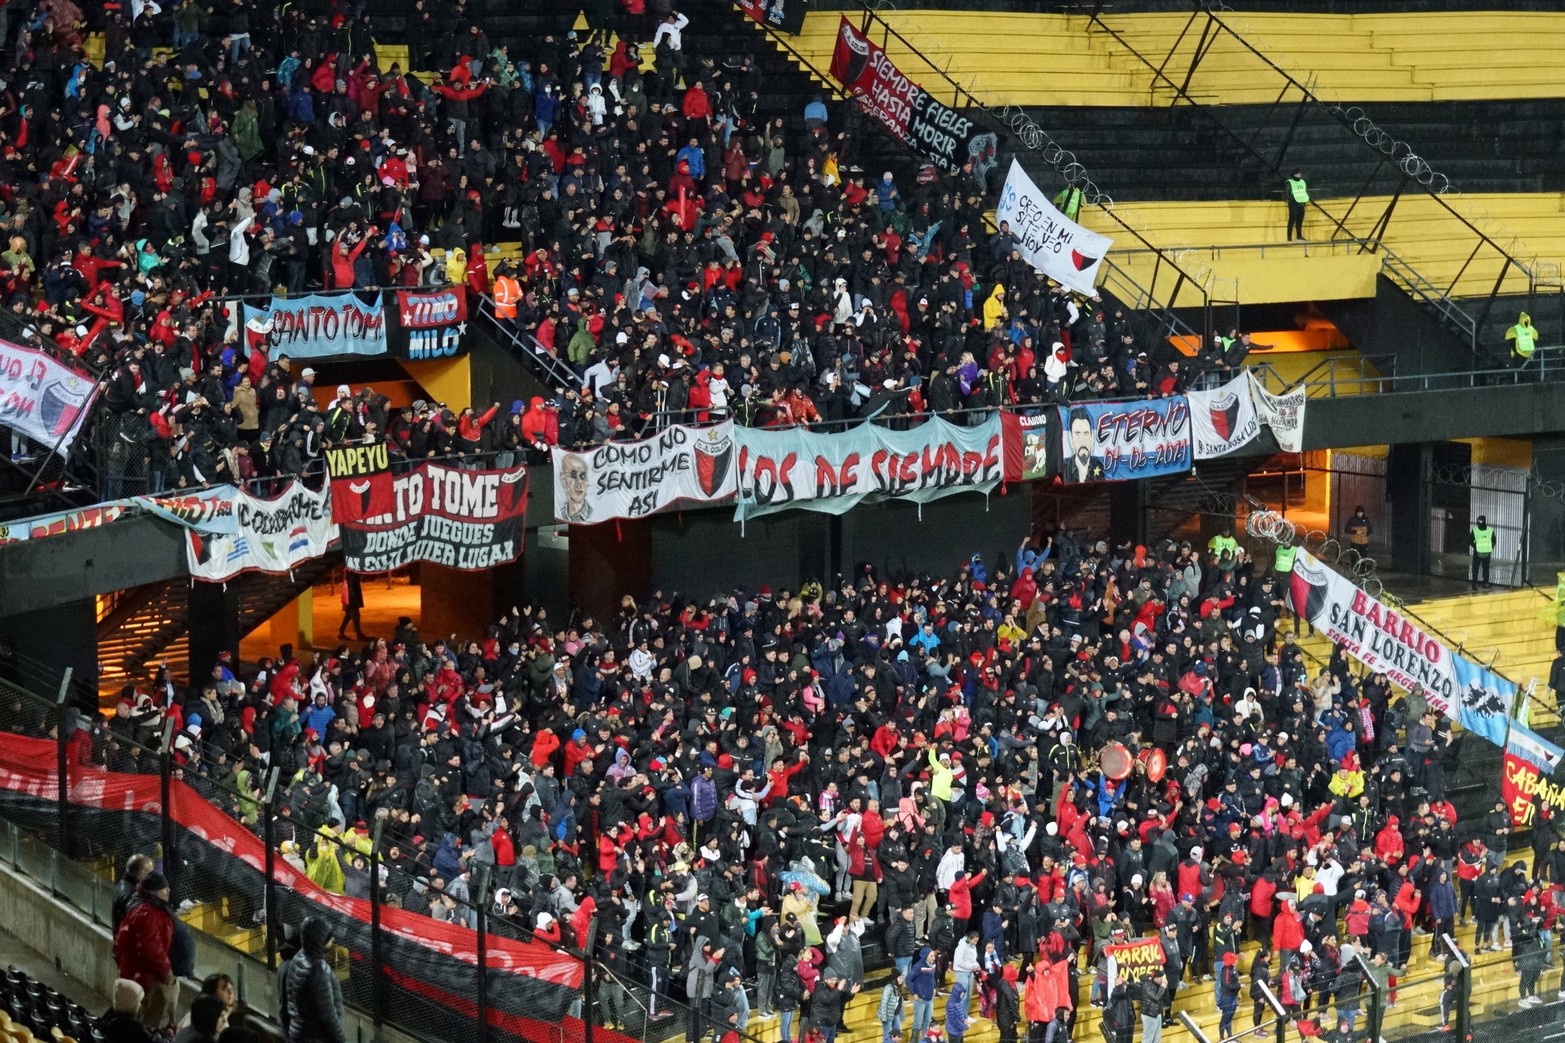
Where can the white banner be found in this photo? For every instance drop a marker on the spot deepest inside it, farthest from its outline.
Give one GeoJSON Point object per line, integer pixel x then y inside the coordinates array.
{"type": "Point", "coordinates": [1284, 414]}
{"type": "Point", "coordinates": [269, 535]}
{"type": "Point", "coordinates": [1224, 419]}
{"type": "Point", "coordinates": [634, 479]}
{"type": "Point", "coordinates": [1065, 252]}
{"type": "Point", "coordinates": [834, 473]}
{"type": "Point", "coordinates": [1388, 641]}
{"type": "Point", "coordinates": [42, 398]}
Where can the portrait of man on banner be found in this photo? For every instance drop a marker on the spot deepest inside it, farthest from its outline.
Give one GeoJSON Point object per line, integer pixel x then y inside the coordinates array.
{"type": "Point", "coordinates": [1082, 464]}
{"type": "Point", "coordinates": [573, 482]}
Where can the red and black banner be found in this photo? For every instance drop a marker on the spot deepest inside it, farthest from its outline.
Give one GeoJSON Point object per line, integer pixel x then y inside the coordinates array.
{"type": "Point", "coordinates": [360, 482]}
{"type": "Point", "coordinates": [431, 324]}
{"type": "Point", "coordinates": [530, 985]}
{"type": "Point", "coordinates": [936, 132]}
{"type": "Point", "coordinates": [450, 516]}
{"type": "Point", "coordinates": [787, 15]}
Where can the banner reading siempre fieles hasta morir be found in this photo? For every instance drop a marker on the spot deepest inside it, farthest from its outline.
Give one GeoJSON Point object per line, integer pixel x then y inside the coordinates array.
{"type": "Point", "coordinates": [448, 516]}
{"type": "Point", "coordinates": [937, 132]}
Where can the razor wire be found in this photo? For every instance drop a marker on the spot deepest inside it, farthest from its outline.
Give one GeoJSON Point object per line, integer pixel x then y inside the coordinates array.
{"type": "Point", "coordinates": [1263, 523]}
{"type": "Point", "coordinates": [1031, 134]}
{"type": "Point", "coordinates": [1383, 141]}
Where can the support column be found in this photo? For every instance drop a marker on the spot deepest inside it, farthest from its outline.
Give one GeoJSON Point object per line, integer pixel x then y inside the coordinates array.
{"type": "Point", "coordinates": [294, 624]}
{"type": "Point", "coordinates": [214, 625]}
{"type": "Point", "coordinates": [1407, 490]}
{"type": "Point", "coordinates": [1128, 512]}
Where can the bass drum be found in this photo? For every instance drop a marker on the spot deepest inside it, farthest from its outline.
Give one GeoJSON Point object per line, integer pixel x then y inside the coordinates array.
{"type": "Point", "coordinates": [1154, 762]}
{"type": "Point", "coordinates": [1115, 761]}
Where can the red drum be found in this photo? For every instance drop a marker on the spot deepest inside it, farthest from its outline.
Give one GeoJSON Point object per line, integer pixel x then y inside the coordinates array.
{"type": "Point", "coordinates": [1115, 761]}
{"type": "Point", "coordinates": [1154, 762]}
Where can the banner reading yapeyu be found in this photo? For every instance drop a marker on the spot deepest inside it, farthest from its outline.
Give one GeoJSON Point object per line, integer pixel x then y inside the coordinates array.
{"type": "Point", "coordinates": [448, 516]}
{"type": "Point", "coordinates": [360, 481]}
{"type": "Point", "coordinates": [936, 132]}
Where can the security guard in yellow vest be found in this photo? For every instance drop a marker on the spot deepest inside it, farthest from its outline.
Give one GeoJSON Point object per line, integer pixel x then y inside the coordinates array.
{"type": "Point", "coordinates": [1223, 545]}
{"type": "Point", "coordinates": [1297, 194]}
{"type": "Point", "coordinates": [1524, 340]}
{"type": "Point", "coordinates": [1481, 540]}
{"type": "Point", "coordinates": [1282, 569]}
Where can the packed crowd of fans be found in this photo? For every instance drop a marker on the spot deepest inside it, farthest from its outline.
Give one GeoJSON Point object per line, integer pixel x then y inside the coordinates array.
{"type": "Point", "coordinates": [687, 259]}
{"type": "Point", "coordinates": [746, 789]}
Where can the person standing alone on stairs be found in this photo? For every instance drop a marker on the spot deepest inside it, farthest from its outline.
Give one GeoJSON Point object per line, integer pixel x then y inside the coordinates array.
{"type": "Point", "coordinates": [1481, 540]}
{"type": "Point", "coordinates": [1297, 195]}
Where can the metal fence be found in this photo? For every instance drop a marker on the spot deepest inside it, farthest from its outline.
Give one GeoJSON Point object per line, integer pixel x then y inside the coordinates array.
{"type": "Point", "coordinates": [417, 959]}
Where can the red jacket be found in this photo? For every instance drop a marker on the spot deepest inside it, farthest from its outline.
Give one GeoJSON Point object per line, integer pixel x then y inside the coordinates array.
{"type": "Point", "coordinates": [142, 943]}
{"type": "Point", "coordinates": [1287, 932]}
{"type": "Point", "coordinates": [962, 897]}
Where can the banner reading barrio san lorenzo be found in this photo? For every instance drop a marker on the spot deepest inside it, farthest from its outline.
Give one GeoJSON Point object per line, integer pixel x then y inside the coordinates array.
{"type": "Point", "coordinates": [1048, 240]}
{"type": "Point", "coordinates": [835, 472]}
{"type": "Point", "coordinates": [447, 516]}
{"type": "Point", "coordinates": [270, 536]}
{"type": "Point", "coordinates": [940, 134]}
{"type": "Point", "coordinates": [41, 397]}
{"type": "Point", "coordinates": [634, 479]}
{"type": "Point", "coordinates": [1388, 642]}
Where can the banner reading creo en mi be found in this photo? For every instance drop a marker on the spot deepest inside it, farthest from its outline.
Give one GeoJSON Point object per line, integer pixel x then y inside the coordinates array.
{"type": "Point", "coordinates": [318, 326]}
{"type": "Point", "coordinates": [835, 472]}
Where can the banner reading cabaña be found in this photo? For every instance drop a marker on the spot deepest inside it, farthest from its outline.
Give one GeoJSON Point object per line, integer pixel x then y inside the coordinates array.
{"type": "Point", "coordinates": [835, 472]}
{"type": "Point", "coordinates": [447, 516]}
{"type": "Point", "coordinates": [1526, 779]}
{"type": "Point", "coordinates": [1223, 419]}
{"type": "Point", "coordinates": [940, 134]}
{"type": "Point", "coordinates": [1118, 441]}
{"type": "Point", "coordinates": [42, 397]}
{"type": "Point", "coordinates": [318, 326]}
{"type": "Point", "coordinates": [1048, 240]}
{"type": "Point", "coordinates": [268, 536]}
{"type": "Point", "coordinates": [634, 479]}
{"type": "Point", "coordinates": [1284, 414]}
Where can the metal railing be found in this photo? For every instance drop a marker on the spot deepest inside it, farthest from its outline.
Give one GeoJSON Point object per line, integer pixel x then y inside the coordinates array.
{"type": "Point", "coordinates": [1176, 79]}
{"type": "Point", "coordinates": [549, 368]}
{"type": "Point", "coordinates": [1045, 153]}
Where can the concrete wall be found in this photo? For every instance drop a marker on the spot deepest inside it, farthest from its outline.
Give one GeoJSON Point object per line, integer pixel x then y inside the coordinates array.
{"type": "Point", "coordinates": [70, 938]}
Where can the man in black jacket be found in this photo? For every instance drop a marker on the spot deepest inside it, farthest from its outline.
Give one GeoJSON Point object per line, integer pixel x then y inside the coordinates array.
{"type": "Point", "coordinates": [310, 1010]}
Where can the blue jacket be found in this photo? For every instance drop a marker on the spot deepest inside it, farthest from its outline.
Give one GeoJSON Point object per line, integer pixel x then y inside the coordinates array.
{"type": "Point", "coordinates": [921, 978]}
{"type": "Point", "coordinates": [956, 1011]}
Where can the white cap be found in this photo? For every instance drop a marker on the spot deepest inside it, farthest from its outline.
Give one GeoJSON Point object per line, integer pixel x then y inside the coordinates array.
{"type": "Point", "coordinates": [309, 150]}
{"type": "Point", "coordinates": [307, 372]}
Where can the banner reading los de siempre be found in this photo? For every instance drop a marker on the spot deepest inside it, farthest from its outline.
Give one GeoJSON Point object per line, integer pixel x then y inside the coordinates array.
{"type": "Point", "coordinates": [940, 134]}
{"type": "Point", "coordinates": [634, 479]}
{"type": "Point", "coordinates": [317, 326]}
{"type": "Point", "coordinates": [270, 536]}
{"type": "Point", "coordinates": [1048, 240]}
{"type": "Point", "coordinates": [835, 472]}
{"type": "Point", "coordinates": [43, 398]}
{"type": "Point", "coordinates": [447, 516]}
